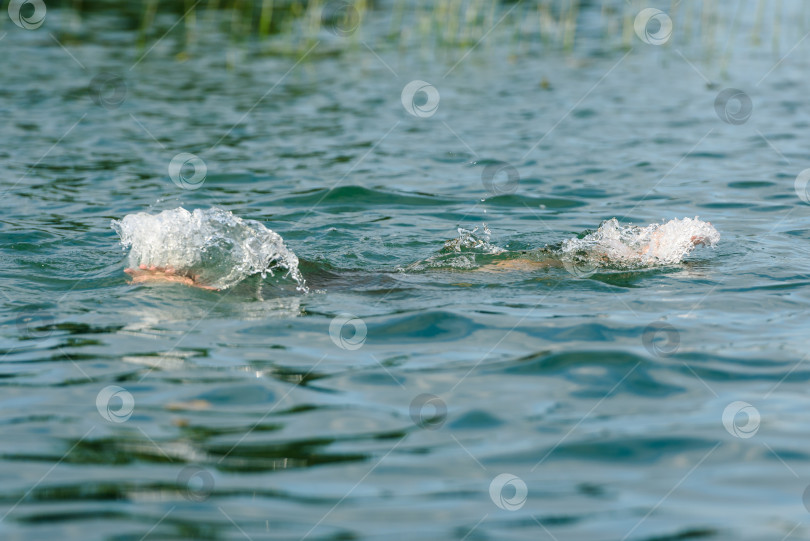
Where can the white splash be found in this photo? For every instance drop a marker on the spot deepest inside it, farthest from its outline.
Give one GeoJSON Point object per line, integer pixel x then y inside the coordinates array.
{"type": "Point", "coordinates": [632, 246]}
{"type": "Point", "coordinates": [460, 253]}
{"type": "Point", "coordinates": [213, 245]}
{"type": "Point", "coordinates": [470, 241]}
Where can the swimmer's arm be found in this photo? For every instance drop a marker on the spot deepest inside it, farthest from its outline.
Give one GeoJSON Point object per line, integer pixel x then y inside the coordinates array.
{"type": "Point", "coordinates": [655, 241]}
{"type": "Point", "coordinates": [527, 265]}
{"type": "Point", "coordinates": [144, 274]}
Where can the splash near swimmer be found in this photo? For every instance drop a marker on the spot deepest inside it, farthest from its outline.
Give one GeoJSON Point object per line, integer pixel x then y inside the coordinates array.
{"type": "Point", "coordinates": [611, 246]}
{"type": "Point", "coordinates": [213, 249]}
{"type": "Point", "coordinates": [207, 248]}
{"type": "Point", "coordinates": [629, 246]}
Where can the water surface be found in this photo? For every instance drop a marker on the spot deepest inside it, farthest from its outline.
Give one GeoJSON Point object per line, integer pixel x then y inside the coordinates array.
{"type": "Point", "coordinates": [236, 414]}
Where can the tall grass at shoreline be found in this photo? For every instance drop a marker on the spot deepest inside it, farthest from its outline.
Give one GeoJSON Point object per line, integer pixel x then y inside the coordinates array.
{"type": "Point", "coordinates": [551, 25]}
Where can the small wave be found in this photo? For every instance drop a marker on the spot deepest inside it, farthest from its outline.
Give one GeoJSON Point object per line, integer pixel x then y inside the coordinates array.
{"type": "Point", "coordinates": [216, 247]}
{"type": "Point", "coordinates": [632, 246]}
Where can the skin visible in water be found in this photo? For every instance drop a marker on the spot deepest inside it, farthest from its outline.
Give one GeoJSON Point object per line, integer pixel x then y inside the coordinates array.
{"type": "Point", "coordinates": [531, 264]}
{"type": "Point", "coordinates": [524, 265]}
{"type": "Point", "coordinates": [147, 274]}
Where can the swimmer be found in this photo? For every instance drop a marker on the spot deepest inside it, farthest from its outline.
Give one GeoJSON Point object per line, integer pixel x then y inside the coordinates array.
{"type": "Point", "coordinates": [263, 250]}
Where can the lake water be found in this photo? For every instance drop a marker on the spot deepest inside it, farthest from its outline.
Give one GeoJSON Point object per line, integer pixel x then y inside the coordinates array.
{"type": "Point", "coordinates": [410, 394]}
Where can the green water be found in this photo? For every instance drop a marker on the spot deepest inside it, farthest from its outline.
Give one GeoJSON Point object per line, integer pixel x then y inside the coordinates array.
{"type": "Point", "coordinates": [652, 403]}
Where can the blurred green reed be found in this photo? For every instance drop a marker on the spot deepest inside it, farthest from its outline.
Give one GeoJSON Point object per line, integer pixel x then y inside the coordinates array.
{"type": "Point", "coordinates": [556, 25]}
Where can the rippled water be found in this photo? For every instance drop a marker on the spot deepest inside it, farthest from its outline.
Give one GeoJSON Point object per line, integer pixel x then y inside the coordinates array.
{"type": "Point", "coordinates": [419, 391]}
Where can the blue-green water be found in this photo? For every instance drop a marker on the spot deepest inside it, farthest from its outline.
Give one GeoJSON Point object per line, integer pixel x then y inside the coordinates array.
{"type": "Point", "coordinates": [653, 403]}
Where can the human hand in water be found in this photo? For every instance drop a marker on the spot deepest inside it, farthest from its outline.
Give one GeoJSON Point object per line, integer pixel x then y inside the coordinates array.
{"type": "Point", "coordinates": [655, 240]}
{"type": "Point", "coordinates": [151, 273]}
{"type": "Point", "coordinates": [698, 240]}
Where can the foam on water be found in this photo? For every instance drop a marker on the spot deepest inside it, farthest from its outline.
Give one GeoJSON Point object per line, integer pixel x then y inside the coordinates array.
{"type": "Point", "coordinates": [632, 246]}
{"type": "Point", "coordinates": [462, 252]}
{"type": "Point", "coordinates": [472, 241]}
{"type": "Point", "coordinates": [216, 247]}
